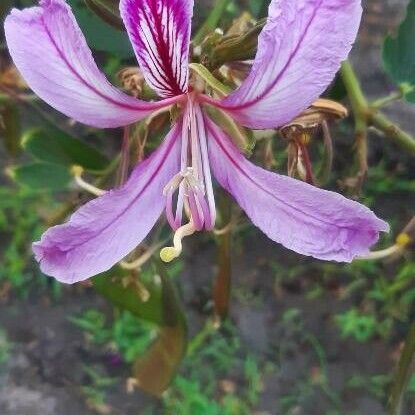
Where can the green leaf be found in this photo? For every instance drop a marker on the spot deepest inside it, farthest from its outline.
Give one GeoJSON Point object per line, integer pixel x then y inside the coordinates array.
{"type": "Point", "coordinates": [154, 370]}
{"type": "Point", "coordinates": [10, 128]}
{"type": "Point", "coordinates": [127, 297]}
{"type": "Point", "coordinates": [399, 54]}
{"type": "Point", "coordinates": [99, 35]}
{"type": "Point", "coordinates": [41, 176]}
{"type": "Point", "coordinates": [108, 11]}
{"type": "Point", "coordinates": [56, 147]}
{"type": "Point", "coordinates": [259, 8]}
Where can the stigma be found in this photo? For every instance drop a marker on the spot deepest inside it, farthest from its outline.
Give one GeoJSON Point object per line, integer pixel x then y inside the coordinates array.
{"type": "Point", "coordinates": [190, 202]}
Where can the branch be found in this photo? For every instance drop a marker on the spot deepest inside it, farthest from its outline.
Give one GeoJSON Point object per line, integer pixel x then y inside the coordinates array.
{"type": "Point", "coordinates": [367, 115]}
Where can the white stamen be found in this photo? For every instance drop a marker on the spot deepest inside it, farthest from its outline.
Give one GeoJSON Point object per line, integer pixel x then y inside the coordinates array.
{"type": "Point", "coordinates": [193, 182]}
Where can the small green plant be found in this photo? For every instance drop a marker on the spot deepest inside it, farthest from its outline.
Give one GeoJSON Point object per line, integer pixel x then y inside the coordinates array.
{"type": "Point", "coordinates": [19, 226]}
{"type": "Point", "coordinates": [352, 323]}
{"type": "Point", "coordinates": [376, 385]}
{"type": "Point", "coordinates": [215, 355]}
{"type": "Point", "coordinates": [95, 392]}
{"type": "Point", "coordinates": [126, 334]}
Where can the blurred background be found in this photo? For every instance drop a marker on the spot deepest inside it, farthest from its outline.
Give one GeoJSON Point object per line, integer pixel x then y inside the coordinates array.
{"type": "Point", "coordinates": [303, 336]}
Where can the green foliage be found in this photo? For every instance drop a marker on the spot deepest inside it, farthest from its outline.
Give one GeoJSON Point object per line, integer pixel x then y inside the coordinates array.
{"type": "Point", "coordinates": [10, 127]}
{"type": "Point", "coordinates": [99, 35]}
{"type": "Point", "coordinates": [376, 385]}
{"type": "Point", "coordinates": [131, 336]}
{"type": "Point", "coordinates": [56, 147]}
{"type": "Point", "coordinates": [126, 335]}
{"type": "Point", "coordinates": [382, 181]}
{"type": "Point", "coordinates": [214, 355]}
{"type": "Point", "coordinates": [55, 152]}
{"type": "Point", "coordinates": [95, 392]}
{"type": "Point", "coordinates": [399, 54]}
{"type": "Point", "coordinates": [19, 226]}
{"type": "Point", "coordinates": [41, 176]}
{"type": "Point", "coordinates": [128, 297]}
{"type": "Point", "coordinates": [352, 323]}
{"type": "Point", "coordinates": [108, 11]}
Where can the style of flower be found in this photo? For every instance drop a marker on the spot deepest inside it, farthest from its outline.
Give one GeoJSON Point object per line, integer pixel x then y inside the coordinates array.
{"type": "Point", "coordinates": [299, 52]}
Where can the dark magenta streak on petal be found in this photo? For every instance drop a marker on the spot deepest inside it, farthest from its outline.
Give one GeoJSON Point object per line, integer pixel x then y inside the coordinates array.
{"type": "Point", "coordinates": [162, 48]}
{"type": "Point", "coordinates": [272, 195]}
{"type": "Point", "coordinates": [91, 87]}
{"type": "Point", "coordinates": [153, 176]}
{"type": "Point", "coordinates": [281, 74]}
{"type": "Point", "coordinates": [158, 66]}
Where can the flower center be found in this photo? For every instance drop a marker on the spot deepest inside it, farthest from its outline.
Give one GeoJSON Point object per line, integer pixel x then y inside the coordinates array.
{"type": "Point", "coordinates": [190, 192]}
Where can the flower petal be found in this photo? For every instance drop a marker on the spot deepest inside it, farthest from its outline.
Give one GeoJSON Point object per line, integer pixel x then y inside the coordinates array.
{"type": "Point", "coordinates": [106, 229]}
{"type": "Point", "coordinates": [301, 217]}
{"type": "Point", "coordinates": [299, 53]}
{"type": "Point", "coordinates": [160, 33]}
{"type": "Point", "coordinates": [51, 53]}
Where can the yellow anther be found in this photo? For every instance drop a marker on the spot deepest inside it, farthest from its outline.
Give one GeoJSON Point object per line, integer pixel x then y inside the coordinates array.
{"type": "Point", "coordinates": [403, 239]}
{"type": "Point", "coordinates": [77, 171]}
{"type": "Point", "coordinates": [169, 254]}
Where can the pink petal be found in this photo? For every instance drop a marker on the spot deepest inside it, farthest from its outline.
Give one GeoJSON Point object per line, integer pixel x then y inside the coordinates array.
{"type": "Point", "coordinates": [160, 33]}
{"type": "Point", "coordinates": [51, 53]}
{"type": "Point", "coordinates": [299, 53]}
{"type": "Point", "coordinates": [105, 230]}
{"type": "Point", "coordinates": [301, 217]}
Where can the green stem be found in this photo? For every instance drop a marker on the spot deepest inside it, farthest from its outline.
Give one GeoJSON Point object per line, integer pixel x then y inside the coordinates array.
{"type": "Point", "coordinates": [391, 130]}
{"type": "Point", "coordinates": [382, 102]}
{"type": "Point", "coordinates": [354, 90]}
{"type": "Point", "coordinates": [359, 105]}
{"type": "Point", "coordinates": [212, 21]}
{"type": "Point", "coordinates": [403, 374]}
{"type": "Point", "coordinates": [366, 115]}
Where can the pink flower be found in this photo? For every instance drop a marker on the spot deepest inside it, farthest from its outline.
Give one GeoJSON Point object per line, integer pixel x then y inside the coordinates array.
{"type": "Point", "coordinates": [299, 52]}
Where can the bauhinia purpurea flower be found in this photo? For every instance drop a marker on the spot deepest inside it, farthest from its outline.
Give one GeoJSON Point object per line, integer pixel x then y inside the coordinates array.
{"type": "Point", "coordinates": [299, 52]}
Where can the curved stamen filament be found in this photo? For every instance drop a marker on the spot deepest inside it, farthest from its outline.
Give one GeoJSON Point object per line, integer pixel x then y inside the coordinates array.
{"type": "Point", "coordinates": [77, 172]}
{"type": "Point", "coordinates": [170, 253]}
{"type": "Point", "coordinates": [142, 259]}
{"type": "Point", "coordinates": [401, 243]}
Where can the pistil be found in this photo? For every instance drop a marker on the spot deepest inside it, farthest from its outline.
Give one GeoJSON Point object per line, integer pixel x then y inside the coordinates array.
{"type": "Point", "coordinates": [193, 184]}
